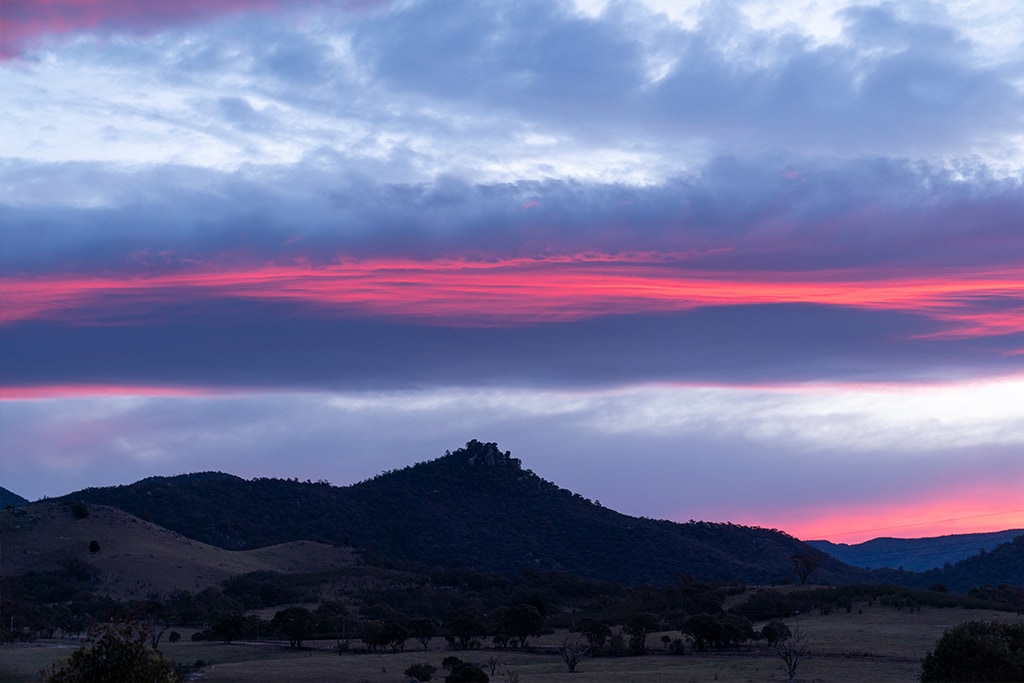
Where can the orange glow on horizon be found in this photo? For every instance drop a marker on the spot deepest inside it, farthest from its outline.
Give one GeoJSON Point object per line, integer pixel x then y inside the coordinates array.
{"type": "Point", "coordinates": [517, 291]}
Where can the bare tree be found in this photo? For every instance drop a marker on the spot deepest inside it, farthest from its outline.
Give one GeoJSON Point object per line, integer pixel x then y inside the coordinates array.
{"type": "Point", "coordinates": [573, 653]}
{"type": "Point", "coordinates": [492, 663]}
{"type": "Point", "coordinates": [792, 651]}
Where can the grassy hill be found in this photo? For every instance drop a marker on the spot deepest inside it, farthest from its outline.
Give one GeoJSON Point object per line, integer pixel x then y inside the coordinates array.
{"type": "Point", "coordinates": [476, 507]}
{"type": "Point", "coordinates": [135, 557]}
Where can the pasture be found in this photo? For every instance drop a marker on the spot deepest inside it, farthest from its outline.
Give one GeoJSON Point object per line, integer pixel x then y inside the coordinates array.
{"type": "Point", "coordinates": [874, 643]}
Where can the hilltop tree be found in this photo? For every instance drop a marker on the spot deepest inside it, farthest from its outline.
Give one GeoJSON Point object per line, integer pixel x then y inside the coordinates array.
{"type": "Point", "coordinates": [805, 564]}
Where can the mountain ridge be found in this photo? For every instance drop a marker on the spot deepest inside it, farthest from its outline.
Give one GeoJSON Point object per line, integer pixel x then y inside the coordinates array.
{"type": "Point", "coordinates": [474, 507]}
{"type": "Point", "coordinates": [915, 554]}
{"type": "Point", "coordinates": [10, 498]}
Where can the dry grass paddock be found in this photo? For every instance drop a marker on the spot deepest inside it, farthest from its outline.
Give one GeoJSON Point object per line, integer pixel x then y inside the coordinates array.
{"type": "Point", "coordinates": [871, 643]}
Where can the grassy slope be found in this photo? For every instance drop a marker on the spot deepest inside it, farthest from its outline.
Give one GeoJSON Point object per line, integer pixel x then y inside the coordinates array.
{"type": "Point", "coordinates": [137, 557]}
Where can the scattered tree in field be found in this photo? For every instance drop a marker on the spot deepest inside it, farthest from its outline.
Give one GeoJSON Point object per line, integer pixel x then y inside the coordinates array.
{"type": "Point", "coordinates": [596, 632]}
{"type": "Point", "coordinates": [523, 621]}
{"type": "Point", "coordinates": [977, 651]}
{"type": "Point", "coordinates": [113, 652]}
{"type": "Point", "coordinates": [791, 651]}
{"type": "Point", "coordinates": [805, 564]}
{"type": "Point", "coordinates": [703, 629]}
{"type": "Point", "coordinates": [294, 623]}
{"type": "Point", "coordinates": [637, 629]}
{"type": "Point", "coordinates": [174, 636]}
{"type": "Point", "coordinates": [423, 630]}
{"type": "Point", "coordinates": [395, 635]}
{"type": "Point", "coordinates": [154, 614]}
{"type": "Point", "coordinates": [94, 547]}
{"type": "Point", "coordinates": [774, 631]}
{"type": "Point", "coordinates": [228, 628]}
{"type": "Point", "coordinates": [467, 626]}
{"type": "Point", "coordinates": [420, 672]}
{"type": "Point", "coordinates": [573, 653]}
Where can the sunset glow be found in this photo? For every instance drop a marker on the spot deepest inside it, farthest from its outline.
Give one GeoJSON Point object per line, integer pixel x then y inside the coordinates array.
{"type": "Point", "coordinates": [528, 291]}
{"type": "Point", "coordinates": [324, 239]}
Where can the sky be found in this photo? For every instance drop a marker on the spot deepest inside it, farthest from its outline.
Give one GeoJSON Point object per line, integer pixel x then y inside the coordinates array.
{"type": "Point", "coordinates": [750, 261]}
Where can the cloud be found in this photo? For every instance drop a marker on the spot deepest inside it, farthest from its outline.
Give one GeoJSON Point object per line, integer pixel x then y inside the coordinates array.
{"type": "Point", "coordinates": [658, 451]}
{"type": "Point", "coordinates": [783, 214]}
{"type": "Point", "coordinates": [231, 343]}
{"type": "Point", "coordinates": [609, 93]}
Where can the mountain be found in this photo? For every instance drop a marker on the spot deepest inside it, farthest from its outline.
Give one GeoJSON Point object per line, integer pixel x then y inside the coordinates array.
{"type": "Point", "coordinates": [8, 498]}
{"type": "Point", "coordinates": [1000, 567]}
{"type": "Point", "coordinates": [476, 507]}
{"type": "Point", "coordinates": [915, 554]}
{"type": "Point", "coordinates": [134, 557]}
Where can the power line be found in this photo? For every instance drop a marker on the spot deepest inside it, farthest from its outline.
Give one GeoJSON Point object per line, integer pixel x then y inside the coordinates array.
{"type": "Point", "coordinates": [934, 521]}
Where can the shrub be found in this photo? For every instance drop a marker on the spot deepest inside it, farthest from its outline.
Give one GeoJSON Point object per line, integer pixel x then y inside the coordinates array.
{"type": "Point", "coordinates": [977, 651]}
{"type": "Point", "coordinates": [420, 672]}
{"type": "Point", "coordinates": [114, 652]}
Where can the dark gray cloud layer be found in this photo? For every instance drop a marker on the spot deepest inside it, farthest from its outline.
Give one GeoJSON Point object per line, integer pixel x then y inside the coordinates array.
{"type": "Point", "coordinates": [794, 214]}
{"type": "Point", "coordinates": [224, 344]}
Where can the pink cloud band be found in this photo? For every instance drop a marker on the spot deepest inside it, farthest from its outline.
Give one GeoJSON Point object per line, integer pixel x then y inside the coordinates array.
{"type": "Point", "coordinates": [527, 291]}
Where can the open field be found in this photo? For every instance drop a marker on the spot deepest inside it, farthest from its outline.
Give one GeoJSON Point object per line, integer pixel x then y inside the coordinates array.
{"type": "Point", "coordinates": [871, 643]}
{"type": "Point", "coordinates": [137, 558]}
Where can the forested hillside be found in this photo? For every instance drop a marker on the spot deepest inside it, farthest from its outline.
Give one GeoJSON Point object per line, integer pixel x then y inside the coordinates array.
{"type": "Point", "coordinates": [475, 507]}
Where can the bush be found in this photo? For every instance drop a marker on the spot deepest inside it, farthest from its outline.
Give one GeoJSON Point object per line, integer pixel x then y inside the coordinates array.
{"type": "Point", "coordinates": [78, 509]}
{"type": "Point", "coordinates": [420, 672]}
{"type": "Point", "coordinates": [114, 652]}
{"type": "Point", "coordinates": [977, 651]}
{"type": "Point", "coordinates": [467, 673]}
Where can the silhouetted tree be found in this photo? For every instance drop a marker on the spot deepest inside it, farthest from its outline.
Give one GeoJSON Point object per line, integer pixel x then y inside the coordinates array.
{"type": "Point", "coordinates": [113, 652]}
{"type": "Point", "coordinates": [596, 632]}
{"type": "Point", "coordinates": [977, 651]}
{"type": "Point", "coordinates": [423, 630]}
{"type": "Point", "coordinates": [637, 628]}
{"type": "Point", "coordinates": [791, 651]}
{"type": "Point", "coordinates": [466, 625]}
{"type": "Point", "coordinates": [805, 564]}
{"type": "Point", "coordinates": [572, 653]}
{"type": "Point", "coordinates": [523, 621]}
{"type": "Point", "coordinates": [294, 623]}
{"type": "Point", "coordinates": [774, 631]}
